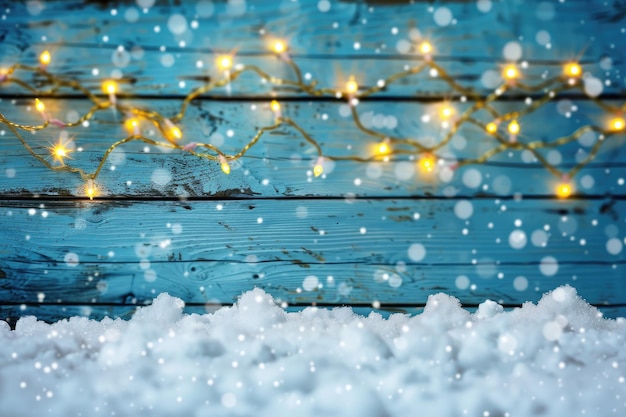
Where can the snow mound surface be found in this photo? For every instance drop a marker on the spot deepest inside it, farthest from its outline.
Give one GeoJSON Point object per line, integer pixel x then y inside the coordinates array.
{"type": "Point", "coordinates": [556, 358]}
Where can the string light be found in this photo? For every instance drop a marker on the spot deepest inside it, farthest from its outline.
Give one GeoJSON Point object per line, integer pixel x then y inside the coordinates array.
{"type": "Point", "coordinates": [510, 72]}
{"type": "Point", "coordinates": [318, 169]}
{"type": "Point", "coordinates": [59, 151]}
{"type": "Point", "coordinates": [351, 86]}
{"type": "Point", "coordinates": [45, 58]}
{"type": "Point", "coordinates": [427, 154]}
{"type": "Point", "coordinates": [224, 62]}
{"type": "Point", "coordinates": [90, 189]}
{"type": "Point", "coordinates": [132, 126]}
{"type": "Point", "coordinates": [618, 124]}
{"type": "Point", "coordinates": [224, 165]}
{"type": "Point", "coordinates": [572, 70]}
{"type": "Point", "coordinates": [279, 46]}
{"type": "Point", "coordinates": [564, 190]}
{"type": "Point", "coordinates": [514, 127]}
{"type": "Point", "coordinates": [109, 87]}
{"type": "Point", "coordinates": [446, 112]}
{"type": "Point", "coordinates": [383, 148]}
{"type": "Point", "coordinates": [426, 164]}
{"type": "Point", "coordinates": [425, 48]}
{"type": "Point", "coordinates": [41, 108]}
{"type": "Point", "coordinates": [173, 132]}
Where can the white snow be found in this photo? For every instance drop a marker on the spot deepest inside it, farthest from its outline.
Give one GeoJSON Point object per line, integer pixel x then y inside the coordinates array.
{"type": "Point", "coordinates": [556, 358]}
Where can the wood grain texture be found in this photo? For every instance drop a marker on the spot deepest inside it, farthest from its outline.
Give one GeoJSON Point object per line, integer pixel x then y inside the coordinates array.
{"type": "Point", "coordinates": [166, 221]}
{"type": "Point", "coordinates": [280, 165]}
{"type": "Point", "coordinates": [118, 251]}
{"type": "Point", "coordinates": [322, 42]}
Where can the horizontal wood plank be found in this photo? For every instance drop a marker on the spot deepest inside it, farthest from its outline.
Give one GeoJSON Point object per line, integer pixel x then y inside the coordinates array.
{"type": "Point", "coordinates": [119, 252]}
{"type": "Point", "coordinates": [370, 41]}
{"type": "Point", "coordinates": [281, 163]}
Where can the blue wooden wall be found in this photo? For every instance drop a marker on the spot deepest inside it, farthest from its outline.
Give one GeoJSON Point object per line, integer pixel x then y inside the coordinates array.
{"type": "Point", "coordinates": [377, 233]}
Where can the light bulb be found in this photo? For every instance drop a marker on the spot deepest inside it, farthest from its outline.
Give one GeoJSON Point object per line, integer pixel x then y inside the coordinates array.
{"type": "Point", "coordinates": [514, 127]}
{"type": "Point", "coordinates": [176, 133]}
{"type": "Point", "coordinates": [45, 58]}
{"type": "Point", "coordinates": [40, 106]}
{"type": "Point", "coordinates": [572, 69]}
{"type": "Point", "coordinates": [132, 126]}
{"type": "Point", "coordinates": [510, 72]}
{"type": "Point", "coordinates": [279, 46]}
{"type": "Point", "coordinates": [446, 112]}
{"type": "Point", "coordinates": [351, 86]}
{"type": "Point", "coordinates": [318, 169]}
{"type": "Point", "coordinates": [173, 132]}
{"type": "Point", "coordinates": [618, 123]}
{"type": "Point", "coordinates": [224, 62]}
{"type": "Point", "coordinates": [491, 127]}
{"type": "Point", "coordinates": [109, 87]}
{"type": "Point", "coordinates": [90, 189]}
{"type": "Point", "coordinates": [275, 106]}
{"type": "Point", "coordinates": [224, 165]}
{"type": "Point", "coordinates": [564, 190]}
{"type": "Point", "coordinates": [425, 48]}
{"type": "Point", "coordinates": [426, 164]}
{"type": "Point", "coordinates": [383, 148]}
{"type": "Point", "coordinates": [59, 151]}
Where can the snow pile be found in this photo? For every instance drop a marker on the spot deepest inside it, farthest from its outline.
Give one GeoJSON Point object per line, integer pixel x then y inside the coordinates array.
{"type": "Point", "coordinates": [556, 358]}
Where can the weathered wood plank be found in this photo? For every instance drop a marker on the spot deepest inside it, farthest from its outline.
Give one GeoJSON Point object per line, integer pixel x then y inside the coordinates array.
{"type": "Point", "coordinates": [471, 45]}
{"type": "Point", "coordinates": [280, 164]}
{"type": "Point", "coordinates": [354, 285]}
{"type": "Point", "coordinates": [481, 75]}
{"type": "Point", "coordinates": [115, 252]}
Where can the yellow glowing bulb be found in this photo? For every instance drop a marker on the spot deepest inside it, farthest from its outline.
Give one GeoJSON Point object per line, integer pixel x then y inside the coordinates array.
{"type": "Point", "coordinates": [491, 128]}
{"type": "Point", "coordinates": [175, 133]}
{"type": "Point", "coordinates": [425, 47]}
{"type": "Point", "coordinates": [275, 106]}
{"type": "Point", "coordinates": [383, 148]}
{"type": "Point", "coordinates": [279, 46]}
{"type": "Point", "coordinates": [426, 164]}
{"type": "Point", "coordinates": [225, 168]}
{"type": "Point", "coordinates": [45, 57]}
{"type": "Point", "coordinates": [131, 125]}
{"type": "Point", "coordinates": [572, 69]}
{"type": "Point", "coordinates": [564, 190]}
{"type": "Point", "coordinates": [90, 189]}
{"type": "Point", "coordinates": [224, 62]}
{"type": "Point", "coordinates": [351, 86]}
{"type": "Point", "coordinates": [40, 106]}
{"type": "Point", "coordinates": [514, 127]}
{"type": "Point", "coordinates": [109, 87]}
{"type": "Point", "coordinates": [318, 170]}
{"type": "Point", "coordinates": [510, 72]}
{"type": "Point", "coordinates": [618, 124]}
{"type": "Point", "coordinates": [446, 112]}
{"type": "Point", "coordinates": [60, 151]}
